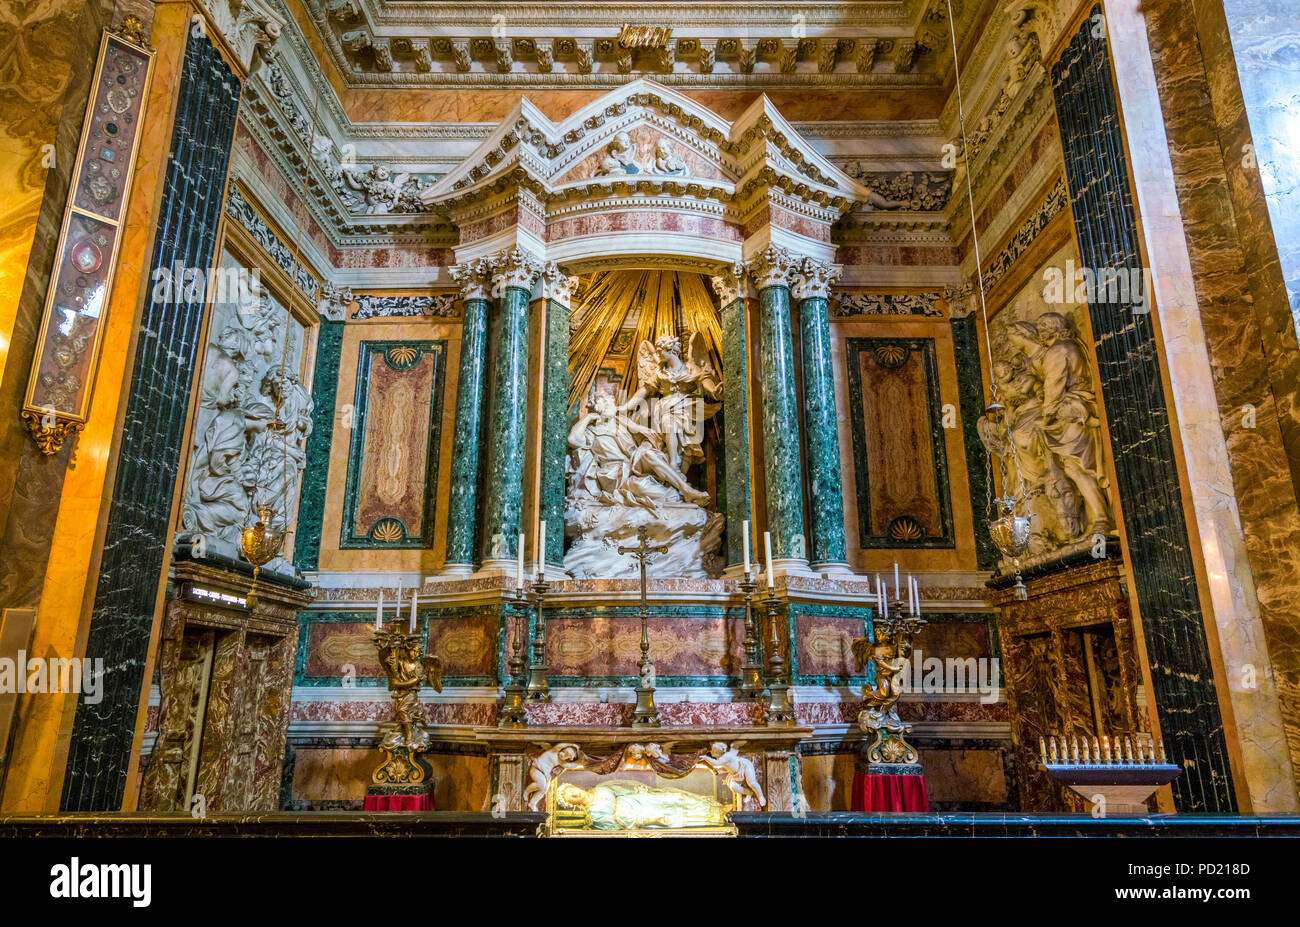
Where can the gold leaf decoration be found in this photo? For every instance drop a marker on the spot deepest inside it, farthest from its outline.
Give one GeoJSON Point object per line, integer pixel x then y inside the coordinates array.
{"type": "Point", "coordinates": [388, 531]}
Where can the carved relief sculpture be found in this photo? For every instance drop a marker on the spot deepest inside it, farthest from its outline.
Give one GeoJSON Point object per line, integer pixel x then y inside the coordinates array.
{"type": "Point", "coordinates": [251, 432]}
{"type": "Point", "coordinates": [1045, 381]}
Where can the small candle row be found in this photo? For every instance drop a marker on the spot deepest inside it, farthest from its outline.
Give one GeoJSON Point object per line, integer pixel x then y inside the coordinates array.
{"type": "Point", "coordinates": [1078, 752]}
{"type": "Point", "coordinates": [767, 550]}
{"type": "Point", "coordinates": [913, 595]}
{"type": "Point", "coordinates": [541, 557]}
{"type": "Point", "coordinates": [397, 609]}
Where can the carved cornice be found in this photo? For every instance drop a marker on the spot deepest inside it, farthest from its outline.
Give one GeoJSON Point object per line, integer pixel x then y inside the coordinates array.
{"type": "Point", "coordinates": [376, 43]}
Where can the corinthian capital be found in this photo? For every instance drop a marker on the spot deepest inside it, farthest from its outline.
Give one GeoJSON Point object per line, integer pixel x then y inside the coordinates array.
{"type": "Point", "coordinates": [558, 285]}
{"type": "Point", "coordinates": [473, 277]}
{"type": "Point", "coordinates": [730, 284]}
{"type": "Point", "coordinates": [772, 267]}
{"type": "Point", "coordinates": [814, 279]}
{"type": "Point", "coordinates": [515, 268]}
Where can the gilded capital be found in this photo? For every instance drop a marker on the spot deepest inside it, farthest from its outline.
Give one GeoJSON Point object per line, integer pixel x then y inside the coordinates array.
{"type": "Point", "coordinates": [814, 279]}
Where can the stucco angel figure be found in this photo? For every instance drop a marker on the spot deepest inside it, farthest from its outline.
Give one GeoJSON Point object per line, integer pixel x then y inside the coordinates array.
{"type": "Point", "coordinates": [685, 391]}
{"type": "Point", "coordinates": [379, 187]}
{"type": "Point", "coordinates": [737, 771]}
{"type": "Point", "coordinates": [620, 157]}
{"type": "Point", "coordinates": [545, 767]}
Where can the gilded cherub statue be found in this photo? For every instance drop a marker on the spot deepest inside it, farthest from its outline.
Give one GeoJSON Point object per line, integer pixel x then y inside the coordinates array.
{"type": "Point", "coordinates": [408, 670]}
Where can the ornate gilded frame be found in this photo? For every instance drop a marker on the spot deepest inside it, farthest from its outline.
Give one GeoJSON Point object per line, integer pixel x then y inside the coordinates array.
{"type": "Point", "coordinates": [61, 383]}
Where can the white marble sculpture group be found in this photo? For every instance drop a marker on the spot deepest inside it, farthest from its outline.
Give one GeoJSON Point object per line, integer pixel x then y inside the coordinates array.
{"type": "Point", "coordinates": [628, 463]}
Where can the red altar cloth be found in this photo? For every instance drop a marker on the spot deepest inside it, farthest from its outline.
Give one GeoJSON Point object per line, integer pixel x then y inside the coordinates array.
{"type": "Point", "coordinates": [398, 803]}
{"type": "Point", "coordinates": [889, 793]}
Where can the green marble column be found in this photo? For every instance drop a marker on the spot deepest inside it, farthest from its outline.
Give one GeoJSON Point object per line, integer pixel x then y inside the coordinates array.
{"type": "Point", "coordinates": [735, 409]}
{"type": "Point", "coordinates": [782, 466]}
{"type": "Point", "coordinates": [821, 421]}
{"type": "Point", "coordinates": [555, 414]}
{"type": "Point", "coordinates": [465, 450]}
{"type": "Point", "coordinates": [503, 481]}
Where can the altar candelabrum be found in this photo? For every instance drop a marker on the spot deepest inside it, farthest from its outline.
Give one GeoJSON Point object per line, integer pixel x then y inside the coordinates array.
{"type": "Point", "coordinates": [403, 739]}
{"type": "Point", "coordinates": [645, 714]}
{"type": "Point", "coordinates": [1116, 776]}
{"type": "Point", "coordinates": [780, 711]}
{"type": "Point", "coordinates": [751, 671]}
{"type": "Point", "coordinates": [512, 707]}
{"type": "Point", "coordinates": [889, 651]}
{"type": "Point", "coordinates": [539, 690]}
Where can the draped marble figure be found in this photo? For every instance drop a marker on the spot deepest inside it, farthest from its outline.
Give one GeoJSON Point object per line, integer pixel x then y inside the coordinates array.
{"type": "Point", "coordinates": [625, 473]}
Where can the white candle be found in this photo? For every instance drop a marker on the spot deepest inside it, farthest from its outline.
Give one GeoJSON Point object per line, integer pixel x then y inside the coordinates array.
{"type": "Point", "coordinates": [745, 535]}
{"type": "Point", "coordinates": [414, 599]}
{"type": "Point", "coordinates": [916, 597]}
{"type": "Point", "coordinates": [767, 548]}
{"type": "Point", "coordinates": [541, 550]}
{"type": "Point", "coordinates": [897, 597]}
{"type": "Point", "coordinates": [379, 612]}
{"type": "Point", "coordinates": [519, 572]}
{"type": "Point", "coordinates": [397, 609]}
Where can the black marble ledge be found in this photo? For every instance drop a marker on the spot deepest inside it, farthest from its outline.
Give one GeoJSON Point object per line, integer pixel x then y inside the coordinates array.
{"type": "Point", "coordinates": [974, 824]}
{"type": "Point", "coordinates": [310, 824]}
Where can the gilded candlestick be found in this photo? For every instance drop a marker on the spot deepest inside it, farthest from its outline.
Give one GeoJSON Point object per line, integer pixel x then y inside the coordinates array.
{"type": "Point", "coordinates": [512, 707]}
{"type": "Point", "coordinates": [780, 711]}
{"type": "Point", "coordinates": [751, 671]}
{"type": "Point", "coordinates": [539, 690]}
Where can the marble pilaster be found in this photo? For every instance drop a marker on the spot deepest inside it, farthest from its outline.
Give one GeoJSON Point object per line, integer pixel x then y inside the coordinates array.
{"type": "Point", "coordinates": [514, 274]}
{"type": "Point", "coordinates": [557, 290]}
{"type": "Point", "coordinates": [730, 288]}
{"type": "Point", "coordinates": [782, 466]}
{"type": "Point", "coordinates": [474, 280]}
{"type": "Point", "coordinates": [324, 395]}
{"type": "Point", "coordinates": [137, 530]}
{"type": "Point", "coordinates": [812, 290]}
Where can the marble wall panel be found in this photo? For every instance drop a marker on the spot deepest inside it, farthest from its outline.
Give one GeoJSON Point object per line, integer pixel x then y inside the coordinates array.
{"type": "Point", "coordinates": [393, 460]}
{"type": "Point", "coordinates": [899, 448]}
{"type": "Point", "coordinates": [588, 646]}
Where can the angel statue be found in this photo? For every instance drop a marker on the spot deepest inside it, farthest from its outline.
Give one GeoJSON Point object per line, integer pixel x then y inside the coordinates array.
{"type": "Point", "coordinates": [545, 767]}
{"type": "Point", "coordinates": [379, 187]}
{"type": "Point", "coordinates": [737, 771]}
{"type": "Point", "coordinates": [677, 384]}
{"type": "Point", "coordinates": [408, 669]}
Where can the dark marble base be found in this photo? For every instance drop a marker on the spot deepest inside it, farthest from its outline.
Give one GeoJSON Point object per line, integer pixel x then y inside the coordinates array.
{"type": "Point", "coordinates": [316, 824]}
{"type": "Point", "coordinates": [859, 824]}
